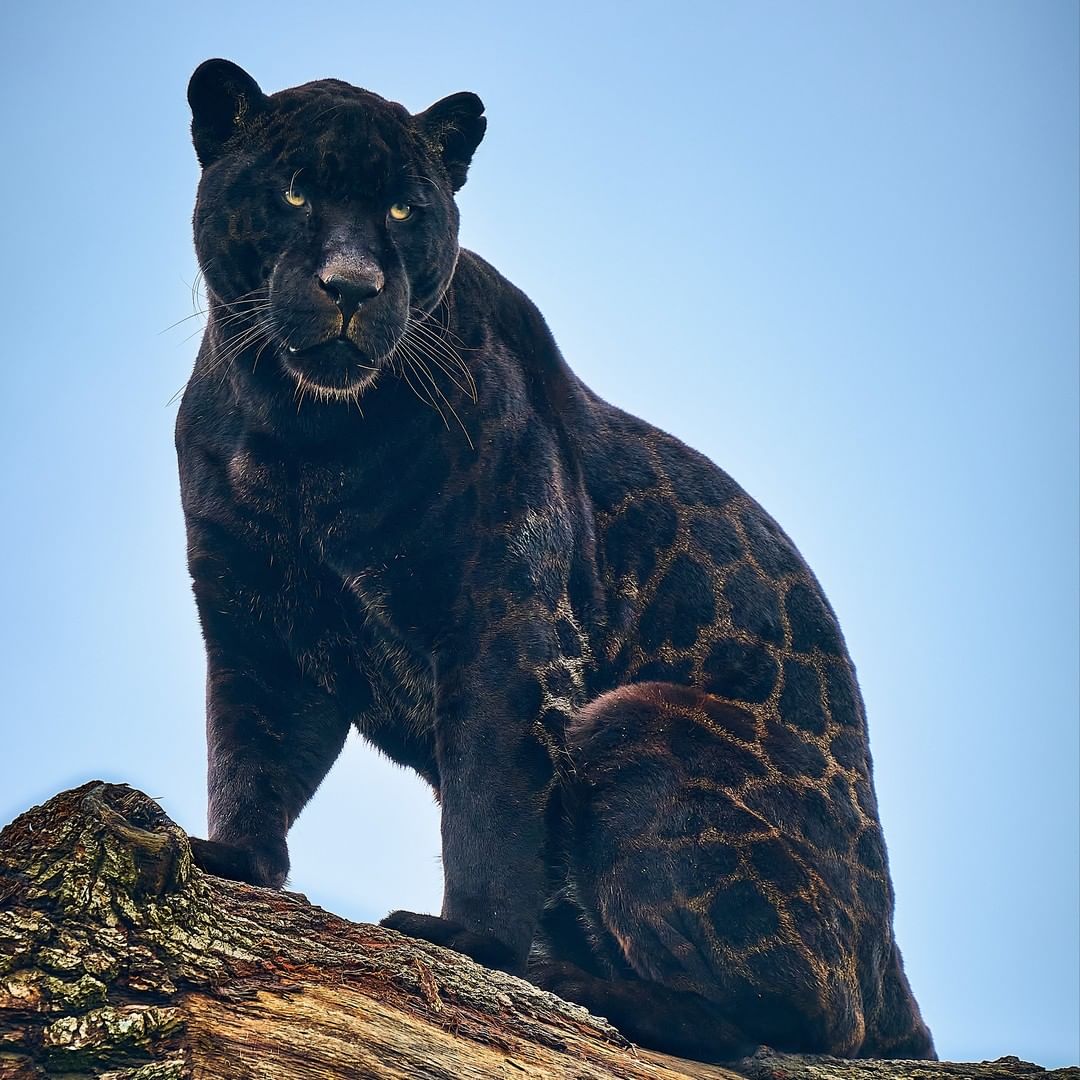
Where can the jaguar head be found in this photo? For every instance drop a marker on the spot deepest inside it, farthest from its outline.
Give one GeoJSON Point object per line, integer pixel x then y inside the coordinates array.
{"type": "Point", "coordinates": [325, 218]}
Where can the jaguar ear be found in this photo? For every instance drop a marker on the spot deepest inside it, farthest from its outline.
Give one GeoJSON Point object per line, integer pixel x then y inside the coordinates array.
{"type": "Point", "coordinates": [453, 128]}
{"type": "Point", "coordinates": [223, 99]}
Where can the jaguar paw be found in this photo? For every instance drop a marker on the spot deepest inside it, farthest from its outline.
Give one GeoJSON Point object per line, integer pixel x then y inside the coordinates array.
{"type": "Point", "coordinates": [265, 865]}
{"type": "Point", "coordinates": [483, 948]}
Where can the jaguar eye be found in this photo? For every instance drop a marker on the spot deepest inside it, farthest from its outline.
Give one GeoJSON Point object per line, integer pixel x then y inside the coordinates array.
{"type": "Point", "coordinates": [400, 212]}
{"type": "Point", "coordinates": [294, 198]}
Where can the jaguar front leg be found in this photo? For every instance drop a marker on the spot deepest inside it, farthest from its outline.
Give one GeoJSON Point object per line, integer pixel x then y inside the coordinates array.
{"type": "Point", "coordinates": [272, 733]}
{"type": "Point", "coordinates": [270, 743]}
{"type": "Point", "coordinates": [497, 767]}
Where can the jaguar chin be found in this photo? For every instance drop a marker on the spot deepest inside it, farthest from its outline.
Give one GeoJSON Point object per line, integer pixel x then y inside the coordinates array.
{"type": "Point", "coordinates": [332, 369]}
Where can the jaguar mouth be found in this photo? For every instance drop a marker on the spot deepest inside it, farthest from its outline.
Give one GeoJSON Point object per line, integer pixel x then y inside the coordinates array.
{"type": "Point", "coordinates": [331, 369]}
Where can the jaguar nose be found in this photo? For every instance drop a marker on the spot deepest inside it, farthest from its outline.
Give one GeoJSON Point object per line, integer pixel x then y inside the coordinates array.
{"type": "Point", "coordinates": [350, 289]}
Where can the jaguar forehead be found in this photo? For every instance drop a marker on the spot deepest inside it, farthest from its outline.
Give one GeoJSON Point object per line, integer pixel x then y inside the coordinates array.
{"type": "Point", "coordinates": [340, 141]}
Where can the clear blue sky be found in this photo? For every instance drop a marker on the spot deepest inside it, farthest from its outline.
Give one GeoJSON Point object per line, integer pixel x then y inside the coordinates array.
{"type": "Point", "coordinates": [832, 245]}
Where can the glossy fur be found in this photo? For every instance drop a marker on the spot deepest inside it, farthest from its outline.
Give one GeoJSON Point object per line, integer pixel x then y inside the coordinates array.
{"type": "Point", "coordinates": [614, 669]}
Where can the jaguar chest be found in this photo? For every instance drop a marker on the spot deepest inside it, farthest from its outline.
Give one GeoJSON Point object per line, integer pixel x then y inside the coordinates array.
{"type": "Point", "coordinates": [323, 541]}
{"type": "Point", "coordinates": [328, 513]}
{"type": "Point", "coordinates": [343, 590]}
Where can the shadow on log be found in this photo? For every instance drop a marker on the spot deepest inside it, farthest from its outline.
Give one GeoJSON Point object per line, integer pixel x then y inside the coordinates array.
{"type": "Point", "coordinates": [120, 959]}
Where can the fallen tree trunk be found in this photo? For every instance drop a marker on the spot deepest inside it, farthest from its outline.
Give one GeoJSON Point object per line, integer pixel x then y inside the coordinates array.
{"type": "Point", "coordinates": [120, 959]}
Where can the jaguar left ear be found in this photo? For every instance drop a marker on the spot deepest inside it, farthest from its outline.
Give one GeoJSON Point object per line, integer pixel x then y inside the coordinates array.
{"type": "Point", "coordinates": [453, 128]}
{"type": "Point", "coordinates": [223, 99]}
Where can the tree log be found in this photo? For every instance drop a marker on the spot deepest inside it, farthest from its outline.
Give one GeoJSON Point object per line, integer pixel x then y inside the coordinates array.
{"type": "Point", "coordinates": [120, 959]}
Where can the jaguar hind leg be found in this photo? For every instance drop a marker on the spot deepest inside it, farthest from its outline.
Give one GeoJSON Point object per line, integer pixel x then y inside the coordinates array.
{"type": "Point", "coordinates": [567, 961]}
{"type": "Point", "coordinates": [731, 939]}
{"type": "Point", "coordinates": [677, 1022]}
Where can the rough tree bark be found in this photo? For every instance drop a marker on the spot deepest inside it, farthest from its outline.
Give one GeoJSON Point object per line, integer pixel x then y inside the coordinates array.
{"type": "Point", "coordinates": [120, 959]}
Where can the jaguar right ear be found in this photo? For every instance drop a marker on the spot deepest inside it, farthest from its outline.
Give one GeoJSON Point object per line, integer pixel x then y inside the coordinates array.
{"type": "Point", "coordinates": [223, 99]}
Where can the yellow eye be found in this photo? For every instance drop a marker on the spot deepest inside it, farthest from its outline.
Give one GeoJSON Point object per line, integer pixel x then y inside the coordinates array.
{"type": "Point", "coordinates": [294, 198]}
{"type": "Point", "coordinates": [400, 212]}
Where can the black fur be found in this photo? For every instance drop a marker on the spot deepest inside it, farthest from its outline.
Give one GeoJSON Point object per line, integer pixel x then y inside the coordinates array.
{"type": "Point", "coordinates": [614, 669]}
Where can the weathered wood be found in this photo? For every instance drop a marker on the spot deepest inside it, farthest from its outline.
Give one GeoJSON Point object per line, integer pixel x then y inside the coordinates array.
{"type": "Point", "coordinates": [769, 1066]}
{"type": "Point", "coordinates": [120, 959]}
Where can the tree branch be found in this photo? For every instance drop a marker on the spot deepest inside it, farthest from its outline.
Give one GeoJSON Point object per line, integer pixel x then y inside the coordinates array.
{"type": "Point", "coordinates": [120, 959]}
